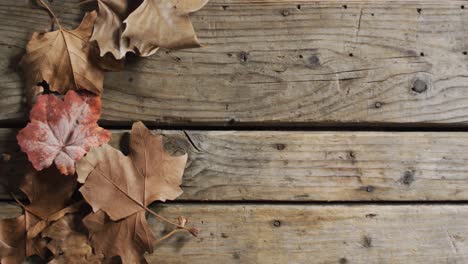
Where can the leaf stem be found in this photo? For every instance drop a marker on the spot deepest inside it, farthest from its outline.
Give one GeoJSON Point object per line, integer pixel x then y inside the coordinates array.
{"type": "Point", "coordinates": [180, 227]}
{"type": "Point", "coordinates": [168, 235]}
{"type": "Point", "coordinates": [52, 14]}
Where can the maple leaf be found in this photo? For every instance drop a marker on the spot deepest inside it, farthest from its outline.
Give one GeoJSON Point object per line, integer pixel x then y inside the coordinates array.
{"type": "Point", "coordinates": [48, 193]}
{"type": "Point", "coordinates": [154, 24]}
{"type": "Point", "coordinates": [62, 59]}
{"type": "Point", "coordinates": [69, 241]}
{"type": "Point", "coordinates": [127, 185]}
{"type": "Point", "coordinates": [62, 131]}
{"type": "Point", "coordinates": [128, 238]}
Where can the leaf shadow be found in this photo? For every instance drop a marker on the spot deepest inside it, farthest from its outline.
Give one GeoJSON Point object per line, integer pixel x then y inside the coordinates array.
{"type": "Point", "coordinates": [13, 164]}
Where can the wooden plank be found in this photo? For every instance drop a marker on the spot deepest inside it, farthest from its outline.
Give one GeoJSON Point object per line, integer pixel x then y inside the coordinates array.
{"type": "Point", "coordinates": [271, 234]}
{"type": "Point", "coordinates": [308, 166]}
{"type": "Point", "coordinates": [281, 62]}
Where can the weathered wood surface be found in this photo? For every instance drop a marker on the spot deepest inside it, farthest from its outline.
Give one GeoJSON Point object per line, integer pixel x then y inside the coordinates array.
{"type": "Point", "coordinates": [280, 61]}
{"type": "Point", "coordinates": [303, 234]}
{"type": "Point", "coordinates": [308, 166]}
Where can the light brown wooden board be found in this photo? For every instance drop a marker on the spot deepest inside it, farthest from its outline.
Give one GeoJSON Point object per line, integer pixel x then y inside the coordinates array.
{"type": "Point", "coordinates": [278, 234]}
{"type": "Point", "coordinates": [308, 166]}
{"type": "Point", "coordinates": [280, 61]}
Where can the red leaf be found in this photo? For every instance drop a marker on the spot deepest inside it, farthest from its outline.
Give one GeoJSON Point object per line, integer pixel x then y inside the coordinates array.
{"type": "Point", "coordinates": [62, 131]}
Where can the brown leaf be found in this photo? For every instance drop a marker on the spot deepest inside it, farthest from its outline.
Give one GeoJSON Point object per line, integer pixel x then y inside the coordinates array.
{"type": "Point", "coordinates": [62, 59]}
{"type": "Point", "coordinates": [128, 238]}
{"type": "Point", "coordinates": [62, 131]}
{"type": "Point", "coordinates": [167, 25]}
{"type": "Point", "coordinates": [109, 27]}
{"type": "Point", "coordinates": [12, 240]}
{"type": "Point", "coordinates": [154, 24]}
{"type": "Point", "coordinates": [69, 242]}
{"type": "Point", "coordinates": [48, 193]}
{"type": "Point", "coordinates": [122, 187]}
{"type": "Point", "coordinates": [128, 184]}
{"type": "Point", "coordinates": [14, 245]}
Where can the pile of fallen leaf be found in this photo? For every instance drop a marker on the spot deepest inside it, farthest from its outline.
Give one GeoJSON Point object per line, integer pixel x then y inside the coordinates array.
{"type": "Point", "coordinates": [85, 201]}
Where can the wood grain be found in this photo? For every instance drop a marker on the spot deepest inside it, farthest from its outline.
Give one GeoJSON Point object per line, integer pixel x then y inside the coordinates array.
{"type": "Point", "coordinates": [307, 166]}
{"type": "Point", "coordinates": [299, 234]}
{"type": "Point", "coordinates": [280, 62]}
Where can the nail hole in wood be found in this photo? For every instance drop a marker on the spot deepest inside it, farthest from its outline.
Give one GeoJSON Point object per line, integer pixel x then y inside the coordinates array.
{"type": "Point", "coordinates": [243, 56]}
{"type": "Point", "coordinates": [225, 7]}
{"type": "Point", "coordinates": [419, 10]}
{"type": "Point", "coordinates": [280, 146]}
{"type": "Point", "coordinates": [378, 105]}
{"type": "Point", "coordinates": [351, 55]}
{"type": "Point", "coordinates": [299, 7]}
{"type": "Point", "coordinates": [368, 189]}
{"type": "Point", "coordinates": [422, 54]}
{"type": "Point", "coordinates": [408, 177]}
{"type": "Point", "coordinates": [419, 86]}
{"type": "Point", "coordinates": [345, 6]}
{"type": "Point", "coordinates": [276, 223]}
{"type": "Point", "coordinates": [367, 241]}
{"type": "Point", "coordinates": [285, 13]}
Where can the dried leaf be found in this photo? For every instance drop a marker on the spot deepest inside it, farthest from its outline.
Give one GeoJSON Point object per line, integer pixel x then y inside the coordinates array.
{"type": "Point", "coordinates": [166, 25]}
{"type": "Point", "coordinates": [69, 242]}
{"type": "Point", "coordinates": [124, 186]}
{"type": "Point", "coordinates": [154, 24]}
{"type": "Point", "coordinates": [62, 131]}
{"type": "Point", "coordinates": [109, 27]}
{"type": "Point", "coordinates": [12, 240]}
{"type": "Point", "coordinates": [128, 184]}
{"type": "Point", "coordinates": [62, 59]}
{"type": "Point", "coordinates": [128, 238]}
{"type": "Point", "coordinates": [48, 193]}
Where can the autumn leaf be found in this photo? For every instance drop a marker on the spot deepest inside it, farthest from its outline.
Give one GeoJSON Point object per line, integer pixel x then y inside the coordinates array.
{"type": "Point", "coordinates": [48, 193]}
{"type": "Point", "coordinates": [69, 242]}
{"type": "Point", "coordinates": [128, 238]}
{"type": "Point", "coordinates": [154, 24]}
{"type": "Point", "coordinates": [62, 131]}
{"type": "Point", "coordinates": [166, 24]}
{"type": "Point", "coordinates": [62, 58]}
{"type": "Point", "coordinates": [12, 240]}
{"type": "Point", "coordinates": [109, 27]}
{"type": "Point", "coordinates": [127, 186]}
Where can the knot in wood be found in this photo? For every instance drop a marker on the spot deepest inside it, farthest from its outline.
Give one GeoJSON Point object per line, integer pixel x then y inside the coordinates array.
{"type": "Point", "coordinates": [419, 86]}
